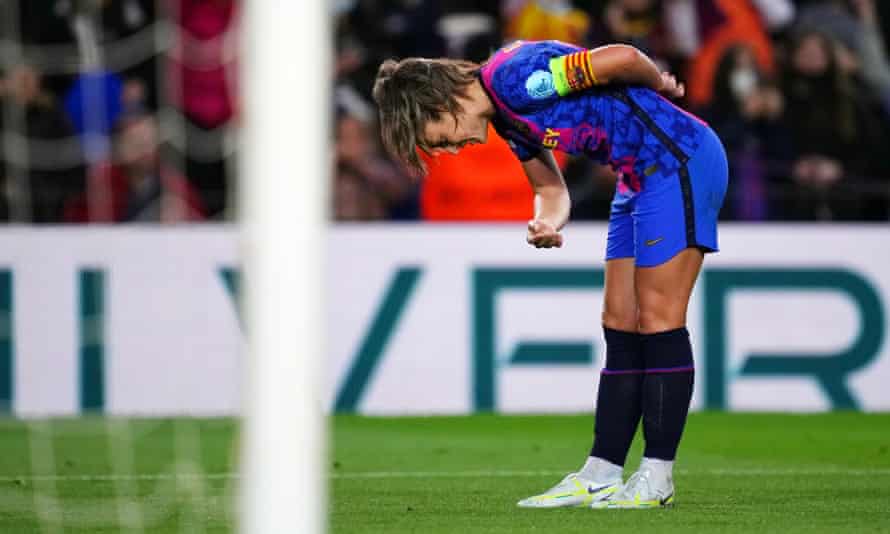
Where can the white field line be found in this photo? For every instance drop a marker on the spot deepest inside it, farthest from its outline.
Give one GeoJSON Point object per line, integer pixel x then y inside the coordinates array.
{"type": "Point", "coordinates": [730, 472]}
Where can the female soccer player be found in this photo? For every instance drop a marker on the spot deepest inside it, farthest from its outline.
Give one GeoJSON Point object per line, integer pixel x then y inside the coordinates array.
{"type": "Point", "coordinates": [605, 103]}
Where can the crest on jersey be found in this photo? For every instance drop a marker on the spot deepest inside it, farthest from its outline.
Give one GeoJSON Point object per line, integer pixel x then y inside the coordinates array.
{"type": "Point", "coordinates": [540, 84]}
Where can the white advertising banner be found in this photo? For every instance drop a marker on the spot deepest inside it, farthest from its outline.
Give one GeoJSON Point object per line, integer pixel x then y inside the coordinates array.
{"type": "Point", "coordinates": [425, 319]}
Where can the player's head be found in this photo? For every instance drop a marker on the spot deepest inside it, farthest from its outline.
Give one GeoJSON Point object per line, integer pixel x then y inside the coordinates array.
{"type": "Point", "coordinates": [431, 104]}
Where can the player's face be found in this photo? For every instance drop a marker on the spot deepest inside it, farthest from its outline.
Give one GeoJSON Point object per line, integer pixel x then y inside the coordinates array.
{"type": "Point", "coordinates": [447, 134]}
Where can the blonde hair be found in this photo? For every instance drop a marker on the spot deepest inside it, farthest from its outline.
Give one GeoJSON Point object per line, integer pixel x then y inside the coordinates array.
{"type": "Point", "coordinates": [412, 92]}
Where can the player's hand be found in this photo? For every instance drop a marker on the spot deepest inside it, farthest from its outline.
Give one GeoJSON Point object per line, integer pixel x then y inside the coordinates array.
{"type": "Point", "coordinates": [542, 234]}
{"type": "Point", "coordinates": [670, 87]}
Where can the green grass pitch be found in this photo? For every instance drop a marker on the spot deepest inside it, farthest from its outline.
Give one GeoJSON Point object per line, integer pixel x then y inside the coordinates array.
{"type": "Point", "coordinates": [736, 473]}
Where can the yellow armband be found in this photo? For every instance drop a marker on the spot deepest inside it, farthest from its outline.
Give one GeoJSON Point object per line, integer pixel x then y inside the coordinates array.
{"type": "Point", "coordinates": [572, 72]}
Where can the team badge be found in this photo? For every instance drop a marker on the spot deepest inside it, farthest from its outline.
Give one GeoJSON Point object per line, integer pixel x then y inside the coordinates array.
{"type": "Point", "coordinates": [540, 84]}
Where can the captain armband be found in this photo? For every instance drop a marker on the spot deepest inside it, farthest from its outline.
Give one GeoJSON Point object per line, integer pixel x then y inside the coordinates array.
{"type": "Point", "coordinates": [572, 72]}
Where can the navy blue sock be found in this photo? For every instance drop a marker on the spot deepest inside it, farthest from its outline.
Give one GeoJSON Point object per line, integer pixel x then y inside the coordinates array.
{"type": "Point", "coordinates": [618, 403]}
{"type": "Point", "coordinates": [667, 390]}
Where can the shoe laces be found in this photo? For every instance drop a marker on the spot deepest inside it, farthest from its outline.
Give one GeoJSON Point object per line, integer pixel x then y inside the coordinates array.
{"type": "Point", "coordinates": [637, 484]}
{"type": "Point", "coordinates": [568, 483]}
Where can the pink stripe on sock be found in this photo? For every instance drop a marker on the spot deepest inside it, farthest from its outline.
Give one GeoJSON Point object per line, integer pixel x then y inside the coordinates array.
{"type": "Point", "coordinates": [685, 369]}
{"type": "Point", "coordinates": [622, 372]}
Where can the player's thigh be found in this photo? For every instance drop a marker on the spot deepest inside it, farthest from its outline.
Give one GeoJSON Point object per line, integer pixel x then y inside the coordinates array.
{"type": "Point", "coordinates": [619, 298]}
{"type": "Point", "coordinates": [675, 222]}
{"type": "Point", "coordinates": [663, 291]}
{"type": "Point", "coordinates": [668, 258]}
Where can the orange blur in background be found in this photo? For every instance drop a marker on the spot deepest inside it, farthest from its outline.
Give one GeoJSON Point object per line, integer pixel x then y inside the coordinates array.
{"type": "Point", "coordinates": [482, 183]}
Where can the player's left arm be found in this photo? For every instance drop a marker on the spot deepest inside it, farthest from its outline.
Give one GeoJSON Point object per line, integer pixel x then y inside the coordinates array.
{"type": "Point", "coordinates": [552, 203]}
{"type": "Point", "coordinates": [611, 64]}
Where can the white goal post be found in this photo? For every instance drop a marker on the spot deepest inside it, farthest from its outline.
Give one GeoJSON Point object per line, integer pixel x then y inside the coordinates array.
{"type": "Point", "coordinates": [284, 174]}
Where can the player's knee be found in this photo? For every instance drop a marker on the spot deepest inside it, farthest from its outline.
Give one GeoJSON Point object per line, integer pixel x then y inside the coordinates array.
{"type": "Point", "coordinates": [620, 318]}
{"type": "Point", "coordinates": [660, 318]}
{"type": "Point", "coordinates": [660, 310]}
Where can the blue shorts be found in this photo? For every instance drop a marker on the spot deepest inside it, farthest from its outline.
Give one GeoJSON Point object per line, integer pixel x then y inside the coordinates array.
{"type": "Point", "coordinates": [657, 224]}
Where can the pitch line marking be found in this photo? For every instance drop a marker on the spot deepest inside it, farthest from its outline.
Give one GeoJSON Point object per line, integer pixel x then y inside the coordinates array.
{"type": "Point", "coordinates": [705, 472]}
{"type": "Point", "coordinates": [441, 474]}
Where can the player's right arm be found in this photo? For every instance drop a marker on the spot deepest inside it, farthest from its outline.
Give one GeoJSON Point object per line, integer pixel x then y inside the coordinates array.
{"type": "Point", "coordinates": [552, 203]}
{"type": "Point", "coordinates": [616, 63]}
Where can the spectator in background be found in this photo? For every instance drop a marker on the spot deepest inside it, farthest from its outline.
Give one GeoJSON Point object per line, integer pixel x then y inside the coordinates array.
{"type": "Point", "coordinates": [467, 29]}
{"type": "Point", "coordinates": [635, 22]}
{"type": "Point", "coordinates": [47, 170]}
{"type": "Point", "coordinates": [837, 130]}
{"type": "Point", "coordinates": [94, 105]}
{"type": "Point", "coordinates": [134, 96]}
{"type": "Point", "coordinates": [854, 26]}
{"type": "Point", "coordinates": [405, 27]}
{"type": "Point", "coordinates": [202, 85]}
{"type": "Point", "coordinates": [99, 28]}
{"type": "Point", "coordinates": [368, 185]}
{"type": "Point", "coordinates": [747, 111]}
{"type": "Point", "coordinates": [545, 19]}
{"type": "Point", "coordinates": [721, 25]}
{"type": "Point", "coordinates": [137, 186]}
{"type": "Point", "coordinates": [351, 57]}
{"type": "Point", "coordinates": [354, 198]}
{"type": "Point", "coordinates": [367, 31]}
{"type": "Point", "coordinates": [94, 99]}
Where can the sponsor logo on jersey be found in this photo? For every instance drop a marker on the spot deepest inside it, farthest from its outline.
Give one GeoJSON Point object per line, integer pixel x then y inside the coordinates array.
{"type": "Point", "coordinates": [551, 138]}
{"type": "Point", "coordinates": [540, 85]}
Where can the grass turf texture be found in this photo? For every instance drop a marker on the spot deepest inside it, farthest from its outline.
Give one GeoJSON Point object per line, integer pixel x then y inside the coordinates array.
{"type": "Point", "coordinates": [736, 473]}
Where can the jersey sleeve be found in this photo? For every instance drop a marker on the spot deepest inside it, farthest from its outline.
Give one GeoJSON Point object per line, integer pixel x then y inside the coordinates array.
{"type": "Point", "coordinates": [526, 85]}
{"type": "Point", "coordinates": [536, 76]}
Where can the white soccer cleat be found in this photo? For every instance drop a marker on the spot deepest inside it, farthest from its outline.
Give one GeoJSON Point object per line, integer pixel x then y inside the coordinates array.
{"type": "Point", "coordinates": [573, 490]}
{"type": "Point", "coordinates": [644, 489]}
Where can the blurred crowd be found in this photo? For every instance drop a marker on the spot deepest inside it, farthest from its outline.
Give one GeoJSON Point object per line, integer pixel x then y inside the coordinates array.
{"type": "Point", "coordinates": [799, 92]}
{"type": "Point", "coordinates": [116, 110]}
{"type": "Point", "coordinates": [126, 110]}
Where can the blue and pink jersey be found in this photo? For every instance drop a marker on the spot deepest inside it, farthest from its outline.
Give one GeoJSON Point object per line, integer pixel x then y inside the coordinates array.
{"type": "Point", "coordinates": [595, 122]}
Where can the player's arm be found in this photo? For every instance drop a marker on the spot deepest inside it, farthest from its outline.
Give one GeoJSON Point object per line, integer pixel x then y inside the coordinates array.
{"type": "Point", "coordinates": [610, 64]}
{"type": "Point", "coordinates": [552, 204]}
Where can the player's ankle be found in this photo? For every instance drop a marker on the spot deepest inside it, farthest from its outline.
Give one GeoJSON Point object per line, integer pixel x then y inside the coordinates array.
{"type": "Point", "coordinates": [600, 470]}
{"type": "Point", "coordinates": [658, 467]}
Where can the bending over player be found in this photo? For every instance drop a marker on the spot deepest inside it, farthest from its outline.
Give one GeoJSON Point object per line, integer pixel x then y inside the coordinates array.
{"type": "Point", "coordinates": [672, 169]}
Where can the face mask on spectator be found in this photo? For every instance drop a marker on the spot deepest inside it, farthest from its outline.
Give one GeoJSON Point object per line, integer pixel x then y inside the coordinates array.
{"type": "Point", "coordinates": [742, 81]}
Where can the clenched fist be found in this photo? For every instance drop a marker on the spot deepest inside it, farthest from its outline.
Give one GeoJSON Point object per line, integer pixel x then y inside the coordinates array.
{"type": "Point", "coordinates": [670, 87]}
{"type": "Point", "coordinates": [542, 234]}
